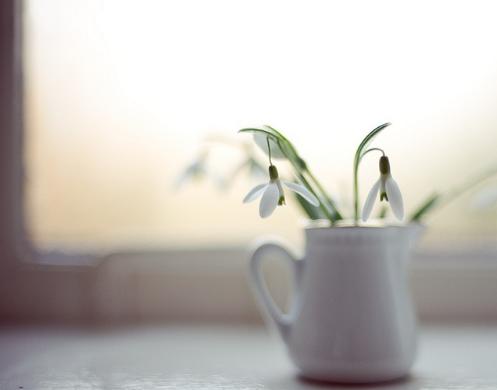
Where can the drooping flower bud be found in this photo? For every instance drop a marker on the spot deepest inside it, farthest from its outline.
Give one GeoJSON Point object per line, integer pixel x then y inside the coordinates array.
{"type": "Point", "coordinates": [273, 173]}
{"type": "Point", "coordinates": [385, 172]}
{"type": "Point", "coordinates": [384, 165]}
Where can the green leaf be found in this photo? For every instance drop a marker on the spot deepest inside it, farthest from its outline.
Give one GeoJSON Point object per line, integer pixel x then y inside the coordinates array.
{"type": "Point", "coordinates": [268, 133]}
{"type": "Point", "coordinates": [280, 135]}
{"type": "Point", "coordinates": [368, 139]}
{"type": "Point", "coordinates": [426, 206]}
{"type": "Point", "coordinates": [286, 147]}
{"type": "Point", "coordinates": [273, 130]}
{"type": "Point", "coordinates": [311, 211]}
{"type": "Point", "coordinates": [438, 200]}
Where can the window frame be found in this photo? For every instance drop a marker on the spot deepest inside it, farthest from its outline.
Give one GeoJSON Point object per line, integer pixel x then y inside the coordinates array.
{"type": "Point", "coordinates": [434, 275]}
{"type": "Point", "coordinates": [11, 123]}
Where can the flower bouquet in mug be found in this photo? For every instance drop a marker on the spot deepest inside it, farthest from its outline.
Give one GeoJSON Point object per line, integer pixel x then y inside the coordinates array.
{"type": "Point", "coordinates": [352, 319]}
{"type": "Point", "coordinates": [310, 189]}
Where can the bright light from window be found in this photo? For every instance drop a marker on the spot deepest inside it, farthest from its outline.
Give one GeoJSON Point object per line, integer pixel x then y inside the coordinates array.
{"type": "Point", "coordinates": [119, 95]}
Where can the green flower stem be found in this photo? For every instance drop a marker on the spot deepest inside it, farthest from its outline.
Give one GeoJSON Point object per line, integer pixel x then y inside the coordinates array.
{"type": "Point", "coordinates": [373, 150]}
{"type": "Point", "coordinates": [269, 151]}
{"type": "Point", "coordinates": [322, 206]}
{"type": "Point", "coordinates": [313, 213]}
{"type": "Point", "coordinates": [356, 192]}
{"type": "Point", "coordinates": [336, 214]}
{"type": "Point", "coordinates": [304, 181]}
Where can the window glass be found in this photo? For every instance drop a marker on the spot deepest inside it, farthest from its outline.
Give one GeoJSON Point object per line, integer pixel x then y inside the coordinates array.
{"type": "Point", "coordinates": [120, 96]}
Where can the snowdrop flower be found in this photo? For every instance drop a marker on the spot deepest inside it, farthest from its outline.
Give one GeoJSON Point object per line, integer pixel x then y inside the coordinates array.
{"type": "Point", "coordinates": [389, 190]}
{"type": "Point", "coordinates": [196, 171]}
{"type": "Point", "coordinates": [273, 195]}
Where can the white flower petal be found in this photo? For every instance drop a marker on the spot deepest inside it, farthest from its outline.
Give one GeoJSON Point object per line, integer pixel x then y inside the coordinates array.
{"type": "Point", "coordinates": [394, 198]}
{"type": "Point", "coordinates": [368, 206]}
{"type": "Point", "coordinates": [269, 200]}
{"type": "Point", "coordinates": [303, 192]}
{"type": "Point", "coordinates": [261, 141]}
{"type": "Point", "coordinates": [255, 192]}
{"type": "Point", "coordinates": [280, 188]}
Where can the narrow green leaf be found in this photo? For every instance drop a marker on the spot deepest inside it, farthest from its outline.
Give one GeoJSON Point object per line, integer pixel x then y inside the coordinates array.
{"type": "Point", "coordinates": [426, 206]}
{"type": "Point", "coordinates": [268, 133]}
{"type": "Point", "coordinates": [291, 149]}
{"type": "Point", "coordinates": [369, 138]}
{"type": "Point", "coordinates": [311, 211]}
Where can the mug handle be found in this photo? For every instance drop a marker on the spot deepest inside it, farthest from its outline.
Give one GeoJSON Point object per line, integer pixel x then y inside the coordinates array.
{"type": "Point", "coordinates": [282, 320]}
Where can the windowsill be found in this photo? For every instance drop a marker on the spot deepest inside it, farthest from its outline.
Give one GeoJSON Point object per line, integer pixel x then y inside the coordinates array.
{"type": "Point", "coordinates": [468, 257]}
{"type": "Point", "coordinates": [175, 285]}
{"type": "Point", "coordinates": [217, 357]}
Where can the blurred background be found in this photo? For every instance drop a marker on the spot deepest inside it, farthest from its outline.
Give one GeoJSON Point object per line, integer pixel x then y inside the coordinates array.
{"type": "Point", "coordinates": [120, 97]}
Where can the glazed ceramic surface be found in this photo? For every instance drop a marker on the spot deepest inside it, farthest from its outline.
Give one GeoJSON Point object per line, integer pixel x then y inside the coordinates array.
{"type": "Point", "coordinates": [352, 319]}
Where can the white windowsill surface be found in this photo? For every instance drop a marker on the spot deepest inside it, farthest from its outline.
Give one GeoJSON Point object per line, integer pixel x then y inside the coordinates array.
{"type": "Point", "coordinates": [218, 357]}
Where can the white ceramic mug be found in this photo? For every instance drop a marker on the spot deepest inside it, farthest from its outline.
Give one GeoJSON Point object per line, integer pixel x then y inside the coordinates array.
{"type": "Point", "coordinates": [352, 319]}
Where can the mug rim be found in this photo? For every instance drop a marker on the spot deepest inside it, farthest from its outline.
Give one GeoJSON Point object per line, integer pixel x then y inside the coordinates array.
{"type": "Point", "coordinates": [349, 224]}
